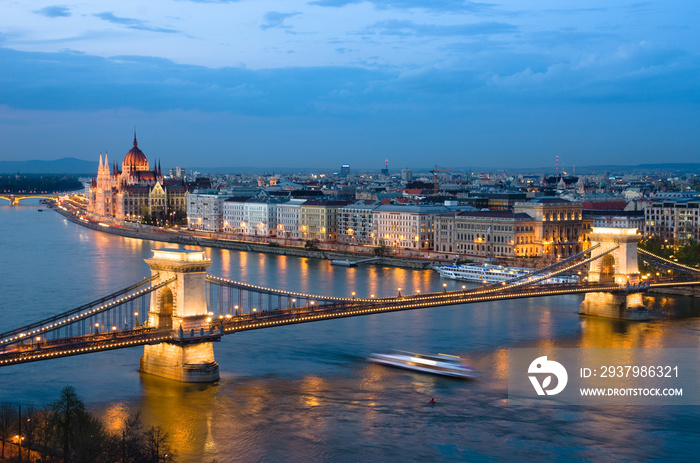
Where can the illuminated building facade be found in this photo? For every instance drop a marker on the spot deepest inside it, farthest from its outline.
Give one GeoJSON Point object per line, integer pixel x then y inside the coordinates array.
{"type": "Point", "coordinates": [134, 191]}
{"type": "Point", "coordinates": [487, 234]}
{"type": "Point", "coordinates": [355, 224]}
{"type": "Point", "coordinates": [318, 220]}
{"type": "Point", "coordinates": [405, 227]}
{"type": "Point", "coordinates": [673, 219]}
{"type": "Point", "coordinates": [560, 226]}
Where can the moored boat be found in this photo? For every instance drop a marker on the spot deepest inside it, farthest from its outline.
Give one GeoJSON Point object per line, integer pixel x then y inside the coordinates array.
{"type": "Point", "coordinates": [489, 273]}
{"type": "Point", "coordinates": [439, 364]}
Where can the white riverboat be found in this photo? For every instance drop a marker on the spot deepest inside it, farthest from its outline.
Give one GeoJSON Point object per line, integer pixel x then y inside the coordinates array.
{"type": "Point", "coordinates": [439, 364]}
{"type": "Point", "coordinates": [489, 273]}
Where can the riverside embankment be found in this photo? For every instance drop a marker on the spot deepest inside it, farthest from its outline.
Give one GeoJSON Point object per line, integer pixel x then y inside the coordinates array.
{"type": "Point", "coordinates": [189, 238]}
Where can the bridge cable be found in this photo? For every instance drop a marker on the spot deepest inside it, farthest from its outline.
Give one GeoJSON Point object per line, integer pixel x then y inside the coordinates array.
{"type": "Point", "coordinates": [78, 314]}
{"type": "Point", "coordinates": [668, 263]}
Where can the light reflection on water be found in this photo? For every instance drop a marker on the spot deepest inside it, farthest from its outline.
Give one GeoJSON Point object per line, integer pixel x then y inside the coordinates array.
{"type": "Point", "coordinates": [306, 393]}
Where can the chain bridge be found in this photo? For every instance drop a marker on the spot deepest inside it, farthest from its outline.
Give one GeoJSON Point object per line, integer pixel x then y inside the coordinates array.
{"type": "Point", "coordinates": [180, 311]}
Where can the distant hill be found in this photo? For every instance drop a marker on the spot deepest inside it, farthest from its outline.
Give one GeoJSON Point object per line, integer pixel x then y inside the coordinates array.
{"type": "Point", "coordinates": [685, 167]}
{"type": "Point", "coordinates": [71, 166]}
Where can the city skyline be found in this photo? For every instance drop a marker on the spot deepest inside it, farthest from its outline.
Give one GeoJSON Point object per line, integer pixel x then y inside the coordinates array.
{"type": "Point", "coordinates": [328, 82]}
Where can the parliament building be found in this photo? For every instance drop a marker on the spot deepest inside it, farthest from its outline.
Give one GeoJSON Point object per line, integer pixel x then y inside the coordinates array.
{"type": "Point", "coordinates": [136, 191]}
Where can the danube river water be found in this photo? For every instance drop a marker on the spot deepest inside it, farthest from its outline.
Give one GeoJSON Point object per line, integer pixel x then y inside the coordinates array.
{"type": "Point", "coordinates": [306, 392]}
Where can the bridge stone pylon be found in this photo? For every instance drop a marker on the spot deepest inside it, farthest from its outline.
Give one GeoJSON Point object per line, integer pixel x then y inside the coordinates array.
{"type": "Point", "coordinates": [618, 267]}
{"type": "Point", "coordinates": [181, 307]}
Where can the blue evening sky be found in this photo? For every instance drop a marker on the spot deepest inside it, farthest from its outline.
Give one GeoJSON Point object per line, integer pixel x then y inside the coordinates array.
{"type": "Point", "coordinates": [273, 83]}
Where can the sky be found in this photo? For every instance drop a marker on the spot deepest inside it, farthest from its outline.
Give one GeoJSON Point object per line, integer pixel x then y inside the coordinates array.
{"type": "Point", "coordinates": [320, 83]}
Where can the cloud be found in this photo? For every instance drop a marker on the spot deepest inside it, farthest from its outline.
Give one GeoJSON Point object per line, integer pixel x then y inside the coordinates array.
{"type": "Point", "coordinates": [568, 37]}
{"type": "Point", "coordinates": [68, 81]}
{"type": "Point", "coordinates": [409, 28]}
{"type": "Point", "coordinates": [54, 11]}
{"type": "Point", "coordinates": [210, 1]}
{"type": "Point", "coordinates": [275, 19]}
{"type": "Point", "coordinates": [334, 3]}
{"type": "Point", "coordinates": [432, 5]}
{"type": "Point", "coordinates": [132, 23]}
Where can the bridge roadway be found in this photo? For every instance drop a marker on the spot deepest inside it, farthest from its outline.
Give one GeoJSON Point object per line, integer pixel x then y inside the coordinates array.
{"type": "Point", "coordinates": [120, 339]}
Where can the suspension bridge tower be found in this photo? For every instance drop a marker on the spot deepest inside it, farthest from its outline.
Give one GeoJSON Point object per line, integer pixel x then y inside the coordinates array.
{"type": "Point", "coordinates": [618, 267]}
{"type": "Point", "coordinates": [181, 307]}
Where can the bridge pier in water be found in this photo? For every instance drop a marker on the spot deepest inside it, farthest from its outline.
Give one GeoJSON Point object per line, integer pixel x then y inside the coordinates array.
{"type": "Point", "coordinates": [618, 267]}
{"type": "Point", "coordinates": [181, 306]}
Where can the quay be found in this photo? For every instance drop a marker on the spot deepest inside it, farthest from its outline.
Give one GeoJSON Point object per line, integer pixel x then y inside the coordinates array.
{"type": "Point", "coordinates": [187, 238]}
{"type": "Point", "coordinates": [354, 263]}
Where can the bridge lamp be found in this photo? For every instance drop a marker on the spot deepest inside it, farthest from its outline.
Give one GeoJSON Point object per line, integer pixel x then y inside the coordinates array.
{"type": "Point", "coordinates": [353, 294]}
{"type": "Point", "coordinates": [418, 291]}
{"type": "Point", "coordinates": [371, 296]}
{"type": "Point", "coordinates": [464, 287]}
{"type": "Point", "coordinates": [399, 292]}
{"type": "Point", "coordinates": [444, 287]}
{"type": "Point", "coordinates": [114, 328]}
{"type": "Point", "coordinates": [293, 302]}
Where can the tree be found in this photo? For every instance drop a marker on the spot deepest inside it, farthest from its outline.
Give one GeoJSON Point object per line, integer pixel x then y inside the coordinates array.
{"type": "Point", "coordinates": [7, 420]}
{"type": "Point", "coordinates": [45, 432]}
{"type": "Point", "coordinates": [66, 413]}
{"type": "Point", "coordinates": [92, 443]}
{"type": "Point", "coordinates": [29, 425]}
{"type": "Point", "coordinates": [131, 441]}
{"type": "Point", "coordinates": [158, 446]}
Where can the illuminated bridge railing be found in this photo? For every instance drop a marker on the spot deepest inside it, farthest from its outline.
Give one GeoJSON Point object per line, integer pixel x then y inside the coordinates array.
{"type": "Point", "coordinates": [568, 268]}
{"type": "Point", "coordinates": [346, 307]}
{"type": "Point", "coordinates": [550, 271]}
{"type": "Point", "coordinates": [227, 297]}
{"type": "Point", "coordinates": [117, 311]}
{"type": "Point", "coordinates": [280, 317]}
{"type": "Point", "coordinates": [658, 260]}
{"type": "Point", "coordinates": [79, 345]}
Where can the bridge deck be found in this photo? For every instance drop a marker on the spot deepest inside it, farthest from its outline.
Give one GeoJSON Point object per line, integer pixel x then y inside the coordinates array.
{"type": "Point", "coordinates": [23, 353]}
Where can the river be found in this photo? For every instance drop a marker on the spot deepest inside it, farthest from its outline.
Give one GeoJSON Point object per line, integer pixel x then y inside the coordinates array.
{"type": "Point", "coordinates": [306, 392]}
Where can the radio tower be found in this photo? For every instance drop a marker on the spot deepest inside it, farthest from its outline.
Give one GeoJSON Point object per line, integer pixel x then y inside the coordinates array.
{"type": "Point", "coordinates": [385, 170]}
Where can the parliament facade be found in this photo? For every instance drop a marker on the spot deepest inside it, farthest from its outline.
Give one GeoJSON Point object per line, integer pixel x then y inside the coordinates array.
{"type": "Point", "coordinates": [136, 191]}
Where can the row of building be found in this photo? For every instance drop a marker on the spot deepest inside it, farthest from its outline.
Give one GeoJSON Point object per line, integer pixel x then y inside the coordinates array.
{"type": "Point", "coordinates": [549, 227]}
{"type": "Point", "coordinates": [507, 224]}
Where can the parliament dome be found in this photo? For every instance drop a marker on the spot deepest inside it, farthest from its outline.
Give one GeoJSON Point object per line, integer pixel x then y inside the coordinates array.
{"type": "Point", "coordinates": [135, 159]}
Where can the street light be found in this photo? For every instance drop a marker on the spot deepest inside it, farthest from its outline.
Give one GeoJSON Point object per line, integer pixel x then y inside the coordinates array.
{"type": "Point", "coordinates": [444, 287]}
